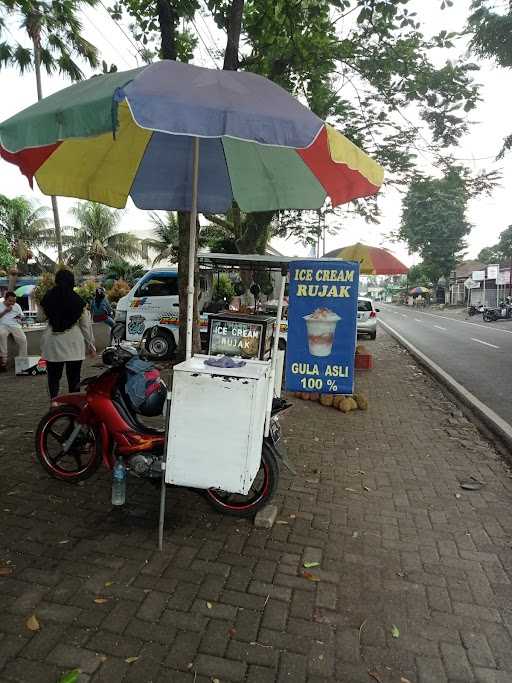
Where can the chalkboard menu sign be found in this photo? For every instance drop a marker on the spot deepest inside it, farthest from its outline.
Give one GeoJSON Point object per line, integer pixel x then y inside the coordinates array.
{"type": "Point", "coordinates": [248, 336]}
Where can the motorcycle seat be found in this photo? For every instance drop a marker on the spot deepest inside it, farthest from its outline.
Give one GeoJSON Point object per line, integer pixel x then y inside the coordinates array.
{"type": "Point", "coordinates": [123, 405]}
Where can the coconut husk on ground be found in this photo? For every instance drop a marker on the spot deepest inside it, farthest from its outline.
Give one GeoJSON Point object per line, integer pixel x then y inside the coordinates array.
{"type": "Point", "coordinates": [340, 402]}
{"type": "Point", "coordinates": [362, 401]}
{"type": "Point", "coordinates": [347, 404]}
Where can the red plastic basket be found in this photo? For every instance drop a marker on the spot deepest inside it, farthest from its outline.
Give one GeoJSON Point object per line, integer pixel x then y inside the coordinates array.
{"type": "Point", "coordinates": [364, 361]}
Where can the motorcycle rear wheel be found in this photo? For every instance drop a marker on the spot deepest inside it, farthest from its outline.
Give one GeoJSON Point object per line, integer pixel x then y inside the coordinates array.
{"type": "Point", "coordinates": [488, 317]}
{"type": "Point", "coordinates": [83, 458]}
{"type": "Point", "coordinates": [261, 492]}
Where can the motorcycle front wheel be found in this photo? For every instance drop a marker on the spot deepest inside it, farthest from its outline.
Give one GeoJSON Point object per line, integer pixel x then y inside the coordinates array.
{"type": "Point", "coordinates": [83, 457]}
{"type": "Point", "coordinates": [261, 492]}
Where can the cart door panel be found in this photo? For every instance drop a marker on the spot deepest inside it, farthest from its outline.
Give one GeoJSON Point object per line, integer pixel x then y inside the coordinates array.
{"type": "Point", "coordinates": [215, 431]}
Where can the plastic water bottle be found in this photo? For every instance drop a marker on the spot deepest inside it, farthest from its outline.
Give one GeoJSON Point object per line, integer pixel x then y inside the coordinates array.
{"type": "Point", "coordinates": [119, 483]}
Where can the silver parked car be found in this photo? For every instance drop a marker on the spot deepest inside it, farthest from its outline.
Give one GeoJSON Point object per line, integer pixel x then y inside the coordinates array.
{"type": "Point", "coordinates": [366, 317]}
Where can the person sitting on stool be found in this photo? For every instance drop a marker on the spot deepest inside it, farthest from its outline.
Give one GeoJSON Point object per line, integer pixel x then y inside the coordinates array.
{"type": "Point", "coordinates": [11, 316]}
{"type": "Point", "coordinates": [101, 310]}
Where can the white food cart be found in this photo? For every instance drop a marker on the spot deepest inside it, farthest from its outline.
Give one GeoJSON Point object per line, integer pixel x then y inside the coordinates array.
{"type": "Point", "coordinates": [217, 417]}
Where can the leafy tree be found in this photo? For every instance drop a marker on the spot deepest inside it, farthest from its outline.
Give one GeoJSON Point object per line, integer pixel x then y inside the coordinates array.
{"type": "Point", "coordinates": [498, 252]}
{"type": "Point", "coordinates": [54, 31]}
{"type": "Point", "coordinates": [505, 243]}
{"type": "Point", "coordinates": [434, 222]}
{"type": "Point", "coordinates": [95, 242]}
{"type": "Point", "coordinates": [223, 289]}
{"type": "Point", "coordinates": [490, 27]}
{"type": "Point", "coordinates": [6, 258]}
{"type": "Point", "coordinates": [419, 276]}
{"type": "Point", "coordinates": [490, 255]}
{"type": "Point", "coordinates": [25, 228]}
{"type": "Point", "coordinates": [156, 23]}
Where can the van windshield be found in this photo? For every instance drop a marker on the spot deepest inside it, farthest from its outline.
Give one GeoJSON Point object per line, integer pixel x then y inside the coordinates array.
{"type": "Point", "coordinates": [159, 285]}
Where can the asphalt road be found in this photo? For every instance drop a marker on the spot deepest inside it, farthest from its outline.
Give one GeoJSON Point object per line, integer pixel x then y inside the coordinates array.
{"type": "Point", "coordinates": [477, 354]}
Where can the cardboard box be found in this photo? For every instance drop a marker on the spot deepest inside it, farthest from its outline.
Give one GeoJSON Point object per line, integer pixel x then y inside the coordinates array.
{"type": "Point", "coordinates": [29, 365]}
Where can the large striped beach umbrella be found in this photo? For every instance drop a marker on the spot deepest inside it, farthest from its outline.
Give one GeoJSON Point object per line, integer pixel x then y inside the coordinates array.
{"type": "Point", "coordinates": [131, 134]}
{"type": "Point", "coordinates": [372, 260]}
{"type": "Point", "coordinates": [180, 137]}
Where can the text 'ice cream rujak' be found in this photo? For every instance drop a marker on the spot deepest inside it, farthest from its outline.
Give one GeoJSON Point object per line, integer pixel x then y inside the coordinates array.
{"type": "Point", "coordinates": [321, 326]}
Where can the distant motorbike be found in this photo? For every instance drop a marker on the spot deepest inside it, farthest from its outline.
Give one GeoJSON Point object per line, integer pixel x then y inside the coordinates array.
{"type": "Point", "coordinates": [475, 310]}
{"type": "Point", "coordinates": [501, 312]}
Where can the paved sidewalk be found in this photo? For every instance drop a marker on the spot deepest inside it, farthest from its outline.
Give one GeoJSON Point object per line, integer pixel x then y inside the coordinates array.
{"type": "Point", "coordinates": [403, 551]}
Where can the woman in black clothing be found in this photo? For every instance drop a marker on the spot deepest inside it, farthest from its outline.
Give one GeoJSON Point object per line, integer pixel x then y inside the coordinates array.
{"type": "Point", "coordinates": [68, 335]}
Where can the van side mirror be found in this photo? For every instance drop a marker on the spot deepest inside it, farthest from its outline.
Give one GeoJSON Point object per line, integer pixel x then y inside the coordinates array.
{"type": "Point", "coordinates": [377, 310]}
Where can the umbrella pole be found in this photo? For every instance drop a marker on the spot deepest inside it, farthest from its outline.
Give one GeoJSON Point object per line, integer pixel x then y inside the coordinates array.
{"type": "Point", "coordinates": [192, 252]}
{"type": "Point", "coordinates": [275, 348]}
{"type": "Point", "coordinates": [163, 485]}
{"type": "Point", "coordinates": [190, 323]}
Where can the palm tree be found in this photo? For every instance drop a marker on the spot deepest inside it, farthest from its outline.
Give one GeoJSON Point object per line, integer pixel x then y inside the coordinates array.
{"type": "Point", "coordinates": [95, 242]}
{"type": "Point", "coordinates": [166, 239]}
{"type": "Point", "coordinates": [122, 270]}
{"type": "Point", "coordinates": [25, 227]}
{"type": "Point", "coordinates": [54, 31]}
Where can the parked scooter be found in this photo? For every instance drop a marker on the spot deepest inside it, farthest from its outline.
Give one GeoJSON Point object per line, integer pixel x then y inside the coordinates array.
{"type": "Point", "coordinates": [475, 310]}
{"type": "Point", "coordinates": [102, 425]}
{"type": "Point", "coordinates": [501, 312]}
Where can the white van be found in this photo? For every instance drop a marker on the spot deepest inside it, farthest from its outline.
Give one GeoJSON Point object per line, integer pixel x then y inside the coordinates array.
{"type": "Point", "coordinates": [151, 310]}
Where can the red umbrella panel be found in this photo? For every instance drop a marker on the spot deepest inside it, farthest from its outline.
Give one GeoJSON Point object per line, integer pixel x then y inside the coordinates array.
{"type": "Point", "coordinates": [372, 260]}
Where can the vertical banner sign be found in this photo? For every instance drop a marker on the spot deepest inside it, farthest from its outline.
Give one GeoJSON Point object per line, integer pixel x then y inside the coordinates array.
{"type": "Point", "coordinates": [322, 315]}
{"type": "Point", "coordinates": [492, 271]}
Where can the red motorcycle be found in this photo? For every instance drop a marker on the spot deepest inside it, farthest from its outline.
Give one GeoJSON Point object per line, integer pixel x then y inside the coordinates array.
{"type": "Point", "coordinates": [101, 425]}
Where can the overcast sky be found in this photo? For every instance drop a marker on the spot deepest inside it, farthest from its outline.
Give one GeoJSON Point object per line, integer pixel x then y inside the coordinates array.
{"type": "Point", "coordinates": [489, 216]}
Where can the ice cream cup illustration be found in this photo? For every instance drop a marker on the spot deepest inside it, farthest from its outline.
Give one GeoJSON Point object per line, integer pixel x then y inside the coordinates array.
{"type": "Point", "coordinates": [321, 326]}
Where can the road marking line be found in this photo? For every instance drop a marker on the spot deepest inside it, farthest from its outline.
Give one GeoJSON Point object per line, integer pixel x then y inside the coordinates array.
{"type": "Point", "coordinates": [466, 322]}
{"type": "Point", "coordinates": [486, 343]}
{"type": "Point", "coordinates": [403, 315]}
{"type": "Point", "coordinates": [417, 320]}
{"type": "Point", "coordinates": [440, 328]}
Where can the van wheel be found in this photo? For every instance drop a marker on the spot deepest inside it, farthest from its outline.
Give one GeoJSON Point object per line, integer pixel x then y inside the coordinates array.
{"type": "Point", "coordinates": [160, 345]}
